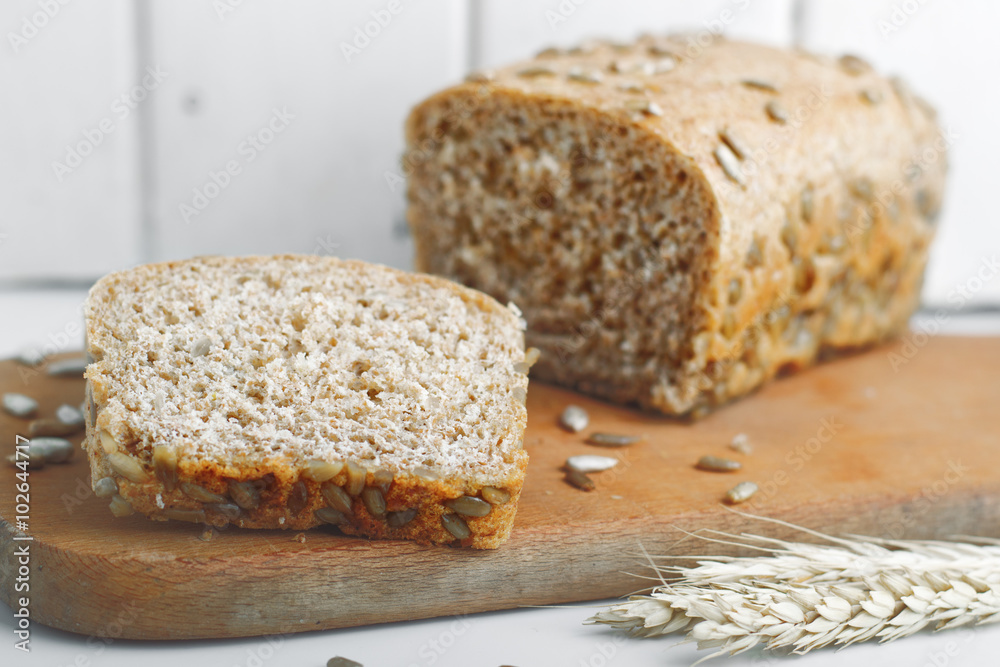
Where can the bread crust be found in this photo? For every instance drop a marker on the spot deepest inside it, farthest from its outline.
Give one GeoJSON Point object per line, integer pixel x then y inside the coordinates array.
{"type": "Point", "coordinates": [816, 182]}
{"type": "Point", "coordinates": [281, 479]}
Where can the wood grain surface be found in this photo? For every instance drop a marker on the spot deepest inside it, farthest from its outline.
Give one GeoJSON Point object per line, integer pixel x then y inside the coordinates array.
{"type": "Point", "coordinates": [859, 445]}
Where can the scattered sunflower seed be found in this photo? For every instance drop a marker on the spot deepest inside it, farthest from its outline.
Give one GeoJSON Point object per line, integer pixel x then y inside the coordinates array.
{"type": "Point", "coordinates": [68, 414]}
{"type": "Point", "coordinates": [207, 534]}
{"type": "Point", "coordinates": [574, 418]}
{"type": "Point", "coordinates": [717, 464]}
{"type": "Point", "coordinates": [741, 444]}
{"type": "Point", "coordinates": [580, 480]}
{"type": "Point", "coordinates": [339, 661]}
{"type": "Point", "coordinates": [760, 84]}
{"type": "Point", "coordinates": [19, 405]}
{"type": "Point", "coordinates": [591, 463]}
{"type": "Point", "coordinates": [300, 538]}
{"type": "Point", "coordinates": [536, 71]}
{"type": "Point", "coordinates": [776, 112]}
{"type": "Point", "coordinates": [740, 493]}
{"type": "Point", "coordinates": [612, 439]}
{"type": "Point", "coordinates": [35, 459]}
{"type": "Point", "coordinates": [730, 164]}
{"type": "Point", "coordinates": [51, 427]}
{"type": "Point", "coordinates": [53, 450]}
{"type": "Point", "coordinates": [69, 366]}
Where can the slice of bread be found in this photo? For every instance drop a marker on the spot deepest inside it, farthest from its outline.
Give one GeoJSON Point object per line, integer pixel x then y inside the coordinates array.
{"type": "Point", "coordinates": [290, 391]}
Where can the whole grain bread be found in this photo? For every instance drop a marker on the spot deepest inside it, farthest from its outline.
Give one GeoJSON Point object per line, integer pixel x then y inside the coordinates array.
{"type": "Point", "coordinates": [290, 391]}
{"type": "Point", "coordinates": [680, 222]}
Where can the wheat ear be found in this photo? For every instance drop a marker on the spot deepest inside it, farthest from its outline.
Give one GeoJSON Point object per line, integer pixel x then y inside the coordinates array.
{"type": "Point", "coordinates": [805, 596]}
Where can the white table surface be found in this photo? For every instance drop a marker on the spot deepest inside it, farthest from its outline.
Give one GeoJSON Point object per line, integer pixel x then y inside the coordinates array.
{"type": "Point", "coordinates": [524, 637]}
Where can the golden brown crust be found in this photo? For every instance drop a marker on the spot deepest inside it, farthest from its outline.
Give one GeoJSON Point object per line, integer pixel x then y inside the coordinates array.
{"type": "Point", "coordinates": [288, 497]}
{"type": "Point", "coordinates": [817, 183]}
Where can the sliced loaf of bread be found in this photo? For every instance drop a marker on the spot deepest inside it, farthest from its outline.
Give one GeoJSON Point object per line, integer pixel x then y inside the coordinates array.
{"type": "Point", "coordinates": [292, 391]}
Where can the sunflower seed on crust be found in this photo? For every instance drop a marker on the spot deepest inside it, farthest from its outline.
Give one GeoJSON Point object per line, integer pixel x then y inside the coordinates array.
{"type": "Point", "coordinates": [872, 96]}
{"type": "Point", "coordinates": [128, 467]}
{"type": "Point", "coordinates": [469, 506]}
{"type": "Point", "coordinates": [717, 464]}
{"type": "Point", "coordinates": [190, 516]}
{"type": "Point", "coordinates": [120, 507]}
{"type": "Point", "coordinates": [740, 493]}
{"type": "Point", "coordinates": [480, 77]}
{"type": "Point", "coordinates": [374, 501]}
{"type": "Point", "coordinates": [776, 112]}
{"type": "Point", "coordinates": [645, 107]}
{"type": "Point", "coordinates": [69, 366]}
{"type": "Point", "coordinates": [19, 405]}
{"type": "Point", "coordinates": [495, 496]}
{"type": "Point", "coordinates": [298, 498]}
{"type": "Point", "coordinates": [455, 525]}
{"type": "Point", "coordinates": [591, 463]}
{"type": "Point", "coordinates": [330, 515]}
{"type": "Point", "coordinates": [732, 139]}
{"type": "Point", "coordinates": [229, 510]}
{"type": "Point", "coordinates": [580, 75]}
{"type": "Point", "coordinates": [383, 480]}
{"type": "Point", "coordinates": [730, 164]}
{"type": "Point", "coordinates": [760, 84]}
{"type": "Point", "coordinates": [201, 494]}
{"type": "Point", "coordinates": [108, 442]}
{"type": "Point", "coordinates": [244, 494]}
{"type": "Point", "coordinates": [612, 439]}
{"type": "Point", "coordinates": [580, 480]}
{"type": "Point", "coordinates": [536, 71]}
{"type": "Point", "coordinates": [105, 487]}
{"type": "Point", "coordinates": [574, 419]}
{"type": "Point", "coordinates": [400, 518]}
{"type": "Point", "coordinates": [356, 475]}
{"type": "Point", "coordinates": [165, 466]}
{"type": "Point", "coordinates": [336, 497]}
{"type": "Point", "coordinates": [321, 471]}
{"type": "Point", "coordinates": [853, 65]}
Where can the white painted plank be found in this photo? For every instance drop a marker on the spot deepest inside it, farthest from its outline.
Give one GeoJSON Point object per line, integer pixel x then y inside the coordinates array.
{"type": "Point", "coordinates": [331, 101]}
{"type": "Point", "coordinates": [511, 30]}
{"type": "Point", "coordinates": [950, 56]}
{"type": "Point", "coordinates": [68, 142]}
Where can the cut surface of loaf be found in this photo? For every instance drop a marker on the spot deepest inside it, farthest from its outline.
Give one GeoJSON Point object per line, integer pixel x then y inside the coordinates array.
{"type": "Point", "coordinates": [679, 224]}
{"type": "Point", "coordinates": [290, 391]}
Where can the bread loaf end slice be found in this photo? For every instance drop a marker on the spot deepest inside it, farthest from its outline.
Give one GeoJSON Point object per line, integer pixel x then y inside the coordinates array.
{"type": "Point", "coordinates": [294, 391]}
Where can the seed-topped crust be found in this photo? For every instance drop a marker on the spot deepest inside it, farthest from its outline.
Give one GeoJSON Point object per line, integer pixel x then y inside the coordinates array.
{"type": "Point", "coordinates": [172, 464]}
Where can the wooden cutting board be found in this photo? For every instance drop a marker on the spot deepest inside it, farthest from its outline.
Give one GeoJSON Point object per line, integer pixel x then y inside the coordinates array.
{"type": "Point", "coordinates": [853, 446]}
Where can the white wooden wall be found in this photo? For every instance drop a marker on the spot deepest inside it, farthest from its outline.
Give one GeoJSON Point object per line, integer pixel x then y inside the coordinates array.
{"type": "Point", "coordinates": [246, 126]}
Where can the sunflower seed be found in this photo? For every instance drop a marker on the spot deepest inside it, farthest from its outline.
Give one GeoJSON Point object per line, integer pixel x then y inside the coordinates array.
{"type": "Point", "coordinates": [806, 203]}
{"type": "Point", "coordinates": [120, 507]}
{"type": "Point", "coordinates": [329, 515]}
{"type": "Point", "coordinates": [862, 187]}
{"type": "Point", "coordinates": [298, 498]}
{"type": "Point", "coordinates": [520, 394]}
{"type": "Point", "coordinates": [872, 96]}
{"type": "Point", "coordinates": [53, 450]}
{"type": "Point", "coordinates": [469, 506]}
{"type": "Point", "coordinates": [321, 471]}
{"type": "Point", "coordinates": [191, 516]}
{"type": "Point", "coordinates": [91, 404]}
{"type": "Point", "coordinates": [201, 494]}
{"type": "Point", "coordinates": [480, 77]}
{"type": "Point", "coordinates": [531, 356]}
{"type": "Point", "coordinates": [735, 142]}
{"type": "Point", "coordinates": [664, 65]}
{"type": "Point", "coordinates": [583, 76]}
{"type": "Point", "coordinates": [580, 480]}
{"type": "Point", "coordinates": [631, 87]}
{"type": "Point", "coordinates": [741, 444]}
{"type": "Point", "coordinates": [455, 525]}
{"type": "Point", "coordinates": [229, 510]}
{"type": "Point", "coordinates": [127, 467]}
{"type": "Point", "coordinates": [735, 291]}
{"type": "Point", "coordinates": [36, 461]}
{"type": "Point", "coordinates": [245, 494]}
{"type": "Point", "coordinates": [760, 84]}
{"type": "Point", "coordinates": [68, 414]}
{"type": "Point", "coordinates": [730, 164]}
{"type": "Point", "coordinates": [740, 493]}
{"type": "Point", "coordinates": [522, 368]}
{"type": "Point", "coordinates": [51, 427]}
{"type": "Point", "coordinates": [201, 346]}
{"type": "Point", "coordinates": [165, 466]}
{"type": "Point", "coordinates": [207, 535]}
{"type": "Point", "coordinates": [339, 661]}
{"type": "Point", "coordinates": [108, 442]}
{"type": "Point", "coordinates": [574, 419]}
{"type": "Point", "coordinates": [495, 496]}
{"type": "Point", "coordinates": [400, 518]}
{"type": "Point", "coordinates": [336, 497]}
{"type": "Point", "coordinates": [426, 474]}
{"type": "Point", "coordinates": [789, 237]}
{"type": "Point", "coordinates": [612, 439]}
{"type": "Point", "coordinates": [383, 480]}
{"type": "Point", "coordinates": [717, 464]}
{"type": "Point", "coordinates": [536, 71]}
{"type": "Point", "coordinates": [591, 463]}
{"type": "Point", "coordinates": [69, 366]}
{"type": "Point", "coordinates": [853, 65]}
{"type": "Point", "coordinates": [550, 52]}
{"type": "Point", "coordinates": [105, 487]}
{"type": "Point", "coordinates": [374, 501]}
{"type": "Point", "coordinates": [356, 475]}
{"type": "Point", "coordinates": [658, 50]}
{"type": "Point", "coordinates": [645, 107]}
{"type": "Point", "coordinates": [19, 405]}
{"type": "Point", "coordinates": [776, 112]}
{"type": "Point", "coordinates": [755, 257]}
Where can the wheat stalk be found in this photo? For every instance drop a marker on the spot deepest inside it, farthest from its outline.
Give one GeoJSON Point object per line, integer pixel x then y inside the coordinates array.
{"type": "Point", "coordinates": [806, 596]}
